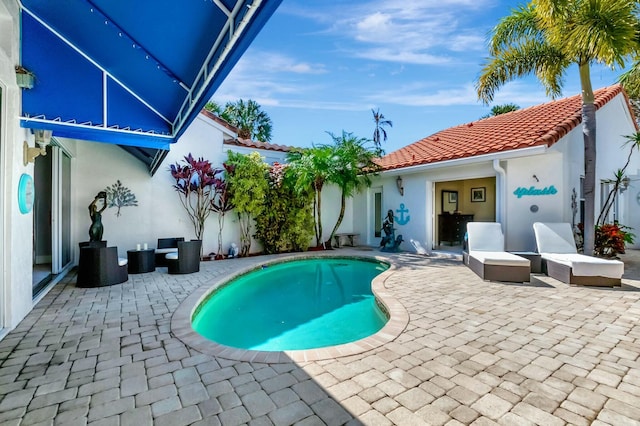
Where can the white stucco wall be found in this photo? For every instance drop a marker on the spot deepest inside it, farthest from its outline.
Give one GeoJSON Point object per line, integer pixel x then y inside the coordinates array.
{"type": "Point", "coordinates": [16, 252]}
{"type": "Point", "coordinates": [417, 203]}
{"type": "Point", "coordinates": [631, 203]}
{"type": "Point", "coordinates": [523, 211]}
{"type": "Point", "coordinates": [159, 212]}
{"type": "Point", "coordinates": [562, 165]}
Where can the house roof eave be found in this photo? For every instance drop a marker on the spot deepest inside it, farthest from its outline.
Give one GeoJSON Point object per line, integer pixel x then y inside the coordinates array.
{"type": "Point", "coordinates": [502, 155]}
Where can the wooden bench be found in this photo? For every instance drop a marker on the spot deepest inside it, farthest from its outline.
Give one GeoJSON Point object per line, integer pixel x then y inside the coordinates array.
{"type": "Point", "coordinates": [345, 236]}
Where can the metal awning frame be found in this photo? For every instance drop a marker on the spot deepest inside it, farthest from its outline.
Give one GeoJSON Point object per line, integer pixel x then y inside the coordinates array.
{"type": "Point", "coordinates": [215, 59]}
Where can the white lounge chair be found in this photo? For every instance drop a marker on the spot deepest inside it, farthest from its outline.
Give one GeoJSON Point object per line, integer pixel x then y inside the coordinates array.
{"type": "Point", "coordinates": [487, 257]}
{"type": "Point", "coordinates": [561, 260]}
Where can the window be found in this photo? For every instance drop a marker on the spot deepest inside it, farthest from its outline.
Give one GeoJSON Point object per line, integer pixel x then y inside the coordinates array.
{"type": "Point", "coordinates": [377, 213]}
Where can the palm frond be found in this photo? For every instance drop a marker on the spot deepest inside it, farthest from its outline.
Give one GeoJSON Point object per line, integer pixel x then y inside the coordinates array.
{"type": "Point", "coordinates": [531, 57]}
{"type": "Point", "coordinates": [514, 29]}
{"type": "Point", "coordinates": [604, 31]}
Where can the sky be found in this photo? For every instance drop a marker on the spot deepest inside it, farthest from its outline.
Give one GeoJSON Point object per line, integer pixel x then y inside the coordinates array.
{"type": "Point", "coordinates": [321, 66]}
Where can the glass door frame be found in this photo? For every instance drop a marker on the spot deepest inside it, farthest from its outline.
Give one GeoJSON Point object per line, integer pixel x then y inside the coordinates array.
{"type": "Point", "coordinates": [4, 245]}
{"type": "Point", "coordinates": [58, 210]}
{"type": "Point", "coordinates": [376, 199]}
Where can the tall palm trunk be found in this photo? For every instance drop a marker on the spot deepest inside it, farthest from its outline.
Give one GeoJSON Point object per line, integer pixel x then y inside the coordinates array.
{"type": "Point", "coordinates": [343, 202]}
{"type": "Point", "coordinates": [589, 134]}
{"type": "Point", "coordinates": [318, 187]}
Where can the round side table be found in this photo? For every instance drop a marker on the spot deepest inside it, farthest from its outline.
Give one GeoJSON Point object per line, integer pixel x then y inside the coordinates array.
{"type": "Point", "coordinates": [140, 261]}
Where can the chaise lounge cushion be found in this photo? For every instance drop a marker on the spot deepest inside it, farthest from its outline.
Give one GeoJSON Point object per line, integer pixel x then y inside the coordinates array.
{"type": "Point", "coordinates": [487, 258]}
{"type": "Point", "coordinates": [587, 265]}
{"type": "Point", "coordinates": [555, 243]}
{"type": "Point", "coordinates": [500, 258]}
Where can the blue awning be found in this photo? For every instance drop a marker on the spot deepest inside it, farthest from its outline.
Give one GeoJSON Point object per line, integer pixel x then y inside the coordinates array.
{"type": "Point", "coordinates": [132, 73]}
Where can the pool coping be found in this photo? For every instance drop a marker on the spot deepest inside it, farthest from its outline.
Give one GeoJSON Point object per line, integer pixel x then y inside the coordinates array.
{"type": "Point", "coordinates": [398, 319]}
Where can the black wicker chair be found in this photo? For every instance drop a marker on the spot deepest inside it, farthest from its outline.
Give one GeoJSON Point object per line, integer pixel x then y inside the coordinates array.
{"type": "Point", "coordinates": [166, 245]}
{"type": "Point", "coordinates": [187, 260]}
{"type": "Point", "coordinates": [99, 266]}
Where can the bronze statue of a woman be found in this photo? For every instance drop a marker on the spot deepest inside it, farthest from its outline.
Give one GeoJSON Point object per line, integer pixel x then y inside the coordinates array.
{"type": "Point", "coordinates": [96, 229]}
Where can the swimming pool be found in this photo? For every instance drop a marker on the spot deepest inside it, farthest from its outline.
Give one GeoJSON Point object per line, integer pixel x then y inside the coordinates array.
{"type": "Point", "coordinates": [299, 304]}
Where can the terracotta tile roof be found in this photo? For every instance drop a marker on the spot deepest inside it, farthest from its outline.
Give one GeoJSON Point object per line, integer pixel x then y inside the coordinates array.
{"type": "Point", "coordinates": [220, 121]}
{"type": "Point", "coordinates": [248, 143]}
{"type": "Point", "coordinates": [543, 124]}
{"type": "Point", "coordinates": [243, 142]}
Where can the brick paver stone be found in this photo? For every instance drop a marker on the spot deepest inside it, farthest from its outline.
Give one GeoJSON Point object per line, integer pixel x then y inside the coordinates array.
{"type": "Point", "coordinates": [473, 352]}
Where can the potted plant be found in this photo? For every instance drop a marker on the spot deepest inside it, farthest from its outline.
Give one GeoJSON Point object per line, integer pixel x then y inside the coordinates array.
{"type": "Point", "coordinates": [24, 77]}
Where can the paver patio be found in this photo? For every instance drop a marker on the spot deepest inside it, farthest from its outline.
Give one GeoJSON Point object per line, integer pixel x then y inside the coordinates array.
{"type": "Point", "coordinates": [473, 352]}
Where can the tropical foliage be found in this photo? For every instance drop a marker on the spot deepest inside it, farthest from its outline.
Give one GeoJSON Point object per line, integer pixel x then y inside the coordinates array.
{"type": "Point", "coordinates": [310, 169]}
{"type": "Point", "coordinates": [502, 109]}
{"type": "Point", "coordinates": [247, 179]}
{"type": "Point", "coordinates": [248, 117]}
{"type": "Point", "coordinates": [351, 168]}
{"type": "Point", "coordinates": [544, 38]}
{"type": "Point", "coordinates": [611, 239]}
{"type": "Point", "coordinates": [194, 183]}
{"type": "Point", "coordinates": [221, 203]}
{"type": "Point", "coordinates": [619, 176]}
{"type": "Point", "coordinates": [286, 222]}
{"type": "Point", "coordinates": [347, 163]}
{"type": "Point", "coordinates": [213, 107]}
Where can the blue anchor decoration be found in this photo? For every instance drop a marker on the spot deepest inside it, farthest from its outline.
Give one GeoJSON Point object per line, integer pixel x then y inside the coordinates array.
{"type": "Point", "coordinates": [402, 210]}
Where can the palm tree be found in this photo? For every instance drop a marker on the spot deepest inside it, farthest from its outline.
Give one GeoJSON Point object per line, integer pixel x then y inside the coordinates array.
{"type": "Point", "coordinates": [544, 38]}
{"type": "Point", "coordinates": [310, 169]}
{"type": "Point", "coordinates": [248, 117]}
{"type": "Point", "coordinates": [353, 164]}
{"type": "Point", "coordinates": [501, 109]}
{"type": "Point", "coordinates": [213, 107]}
{"type": "Point", "coordinates": [379, 131]}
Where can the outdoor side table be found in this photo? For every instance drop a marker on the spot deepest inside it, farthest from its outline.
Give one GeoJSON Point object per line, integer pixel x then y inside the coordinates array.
{"type": "Point", "coordinates": [140, 261]}
{"type": "Point", "coordinates": [534, 258]}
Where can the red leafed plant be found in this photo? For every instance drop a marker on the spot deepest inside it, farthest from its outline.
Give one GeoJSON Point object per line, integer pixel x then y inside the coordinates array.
{"type": "Point", "coordinates": [610, 239]}
{"type": "Point", "coordinates": [195, 180]}
{"type": "Point", "coordinates": [221, 202]}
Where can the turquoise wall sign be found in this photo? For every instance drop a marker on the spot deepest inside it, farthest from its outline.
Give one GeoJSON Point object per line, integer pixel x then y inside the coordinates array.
{"type": "Point", "coordinates": [402, 220]}
{"type": "Point", "coordinates": [26, 193]}
{"type": "Point", "coordinates": [521, 191]}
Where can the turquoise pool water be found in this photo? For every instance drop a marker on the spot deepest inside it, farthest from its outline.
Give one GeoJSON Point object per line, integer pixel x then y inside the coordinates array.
{"type": "Point", "coordinates": [301, 304]}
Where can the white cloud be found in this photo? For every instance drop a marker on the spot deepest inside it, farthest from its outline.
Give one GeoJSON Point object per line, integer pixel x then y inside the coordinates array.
{"type": "Point", "coordinates": [271, 62]}
{"type": "Point", "coordinates": [421, 95]}
{"type": "Point", "coordinates": [401, 56]}
{"type": "Point", "coordinates": [426, 94]}
{"type": "Point", "coordinates": [418, 32]}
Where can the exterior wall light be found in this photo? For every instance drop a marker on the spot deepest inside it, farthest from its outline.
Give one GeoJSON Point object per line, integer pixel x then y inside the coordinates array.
{"type": "Point", "coordinates": [624, 183]}
{"type": "Point", "coordinates": [400, 185]}
{"type": "Point", "coordinates": [43, 138]}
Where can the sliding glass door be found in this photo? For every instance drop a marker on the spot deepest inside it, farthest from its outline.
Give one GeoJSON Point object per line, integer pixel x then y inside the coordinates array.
{"type": "Point", "coordinates": [51, 216]}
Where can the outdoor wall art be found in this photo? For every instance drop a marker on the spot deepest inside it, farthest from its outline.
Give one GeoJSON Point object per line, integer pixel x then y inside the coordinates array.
{"type": "Point", "coordinates": [120, 196]}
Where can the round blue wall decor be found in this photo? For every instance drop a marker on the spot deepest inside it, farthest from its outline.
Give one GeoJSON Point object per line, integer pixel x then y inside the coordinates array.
{"type": "Point", "coordinates": [26, 193]}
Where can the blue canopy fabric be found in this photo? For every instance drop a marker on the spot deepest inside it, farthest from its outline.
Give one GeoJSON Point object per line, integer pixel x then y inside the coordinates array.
{"type": "Point", "coordinates": [132, 73]}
